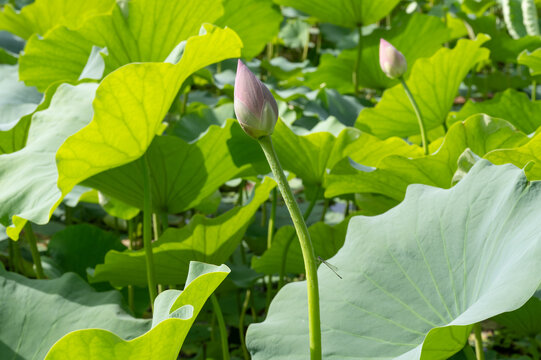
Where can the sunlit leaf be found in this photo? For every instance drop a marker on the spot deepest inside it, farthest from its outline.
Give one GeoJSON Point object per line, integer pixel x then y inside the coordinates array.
{"type": "Point", "coordinates": [174, 313]}
{"type": "Point", "coordinates": [62, 54]}
{"type": "Point", "coordinates": [393, 174]}
{"type": "Point", "coordinates": [348, 13]}
{"type": "Point", "coordinates": [211, 240]}
{"type": "Point", "coordinates": [434, 84]}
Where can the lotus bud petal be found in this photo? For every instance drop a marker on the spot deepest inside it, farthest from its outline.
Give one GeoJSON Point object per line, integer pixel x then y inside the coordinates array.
{"type": "Point", "coordinates": [392, 62]}
{"type": "Point", "coordinates": [254, 104]}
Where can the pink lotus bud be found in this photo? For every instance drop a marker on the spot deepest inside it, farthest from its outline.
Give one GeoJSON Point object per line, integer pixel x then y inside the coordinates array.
{"type": "Point", "coordinates": [392, 62]}
{"type": "Point", "coordinates": [254, 104]}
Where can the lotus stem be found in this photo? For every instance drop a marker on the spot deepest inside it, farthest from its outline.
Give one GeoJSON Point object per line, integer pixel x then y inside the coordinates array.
{"type": "Point", "coordinates": [31, 238]}
{"type": "Point", "coordinates": [241, 325]}
{"type": "Point", "coordinates": [357, 61]}
{"type": "Point", "coordinates": [478, 342]}
{"type": "Point", "coordinates": [418, 114]}
{"type": "Point", "coordinates": [310, 265]}
{"type": "Point", "coordinates": [221, 326]}
{"type": "Point", "coordinates": [147, 232]}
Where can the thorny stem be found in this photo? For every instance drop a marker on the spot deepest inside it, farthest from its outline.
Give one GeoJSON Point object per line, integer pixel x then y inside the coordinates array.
{"type": "Point", "coordinates": [310, 265]}
{"type": "Point", "coordinates": [418, 114]}
{"type": "Point", "coordinates": [31, 238]}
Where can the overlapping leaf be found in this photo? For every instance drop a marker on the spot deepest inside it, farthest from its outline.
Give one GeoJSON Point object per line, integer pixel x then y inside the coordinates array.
{"type": "Point", "coordinates": [348, 13]}
{"type": "Point", "coordinates": [433, 82]}
{"type": "Point", "coordinates": [211, 240]}
{"type": "Point", "coordinates": [310, 156]}
{"type": "Point", "coordinates": [416, 37]}
{"type": "Point", "coordinates": [59, 306]}
{"type": "Point", "coordinates": [128, 108]}
{"type": "Point", "coordinates": [183, 174]}
{"type": "Point", "coordinates": [416, 278]}
{"type": "Point", "coordinates": [327, 240]}
{"type": "Point", "coordinates": [174, 313]}
{"type": "Point", "coordinates": [255, 21]}
{"type": "Point", "coordinates": [43, 15]}
{"type": "Point", "coordinates": [129, 34]}
{"type": "Point", "coordinates": [393, 174]}
{"type": "Point", "coordinates": [510, 105]}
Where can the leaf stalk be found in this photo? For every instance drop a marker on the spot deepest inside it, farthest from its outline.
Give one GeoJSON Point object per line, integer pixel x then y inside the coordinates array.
{"type": "Point", "coordinates": [310, 265]}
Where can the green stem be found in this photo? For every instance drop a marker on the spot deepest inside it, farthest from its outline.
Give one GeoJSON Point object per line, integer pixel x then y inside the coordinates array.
{"type": "Point", "coordinates": [11, 259]}
{"type": "Point", "coordinates": [306, 214]}
{"type": "Point", "coordinates": [478, 342]}
{"type": "Point", "coordinates": [221, 326]}
{"type": "Point", "coordinates": [270, 234]}
{"type": "Point", "coordinates": [164, 221]}
{"type": "Point", "coordinates": [131, 236]}
{"type": "Point", "coordinates": [418, 114]}
{"type": "Point", "coordinates": [357, 62]}
{"type": "Point", "coordinates": [241, 325]}
{"type": "Point", "coordinates": [307, 248]}
{"type": "Point", "coordinates": [31, 238]}
{"type": "Point", "coordinates": [325, 208]}
{"type": "Point", "coordinates": [468, 352]}
{"type": "Point", "coordinates": [534, 90]}
{"type": "Point", "coordinates": [147, 231]}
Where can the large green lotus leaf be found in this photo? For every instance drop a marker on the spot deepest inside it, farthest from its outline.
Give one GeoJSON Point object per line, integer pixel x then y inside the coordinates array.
{"type": "Point", "coordinates": [28, 177]}
{"type": "Point", "coordinates": [127, 110]}
{"type": "Point", "coordinates": [416, 278]}
{"type": "Point", "coordinates": [16, 99]}
{"type": "Point", "coordinates": [256, 22]}
{"type": "Point", "coordinates": [309, 156]}
{"type": "Point", "coordinates": [211, 240]}
{"type": "Point", "coordinates": [415, 36]}
{"type": "Point", "coordinates": [83, 246]}
{"type": "Point", "coordinates": [183, 174]}
{"type": "Point", "coordinates": [525, 321]}
{"type": "Point", "coordinates": [531, 60]}
{"type": "Point", "coordinates": [130, 35]}
{"type": "Point", "coordinates": [434, 84]}
{"type": "Point", "coordinates": [43, 15]}
{"type": "Point", "coordinates": [347, 13]}
{"type": "Point", "coordinates": [327, 240]}
{"type": "Point", "coordinates": [503, 48]}
{"type": "Point", "coordinates": [510, 105]}
{"type": "Point", "coordinates": [174, 313]}
{"type": "Point", "coordinates": [39, 312]}
{"type": "Point", "coordinates": [15, 138]}
{"type": "Point", "coordinates": [527, 154]}
{"type": "Point", "coordinates": [393, 174]}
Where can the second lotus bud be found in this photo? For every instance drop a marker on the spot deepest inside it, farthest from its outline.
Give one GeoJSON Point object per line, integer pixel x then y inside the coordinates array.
{"type": "Point", "coordinates": [254, 104]}
{"type": "Point", "coordinates": [392, 62]}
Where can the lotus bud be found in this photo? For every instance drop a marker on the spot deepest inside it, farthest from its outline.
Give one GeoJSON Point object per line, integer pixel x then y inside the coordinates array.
{"type": "Point", "coordinates": [392, 62]}
{"type": "Point", "coordinates": [254, 104]}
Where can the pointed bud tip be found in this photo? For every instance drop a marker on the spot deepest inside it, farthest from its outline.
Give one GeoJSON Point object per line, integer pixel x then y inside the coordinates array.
{"type": "Point", "coordinates": [255, 107]}
{"type": "Point", "coordinates": [392, 62]}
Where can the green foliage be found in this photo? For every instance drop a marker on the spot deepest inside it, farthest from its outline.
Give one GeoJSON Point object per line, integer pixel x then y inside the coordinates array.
{"type": "Point", "coordinates": [203, 239]}
{"type": "Point", "coordinates": [175, 312]}
{"type": "Point", "coordinates": [348, 13]}
{"type": "Point", "coordinates": [61, 305]}
{"type": "Point", "coordinates": [92, 93]}
{"type": "Point", "coordinates": [433, 82]}
{"type": "Point", "coordinates": [416, 278]}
